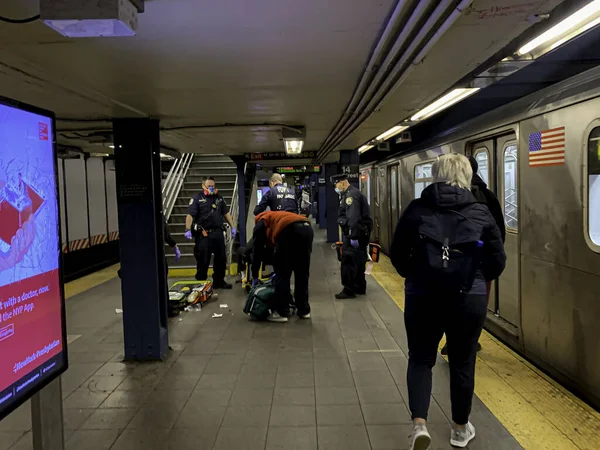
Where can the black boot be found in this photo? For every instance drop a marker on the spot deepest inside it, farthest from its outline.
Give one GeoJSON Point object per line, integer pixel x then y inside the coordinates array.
{"type": "Point", "coordinates": [344, 295]}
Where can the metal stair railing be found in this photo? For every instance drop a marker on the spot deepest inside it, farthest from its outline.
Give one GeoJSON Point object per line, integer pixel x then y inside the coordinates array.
{"type": "Point", "coordinates": [234, 211]}
{"type": "Point", "coordinates": [174, 182]}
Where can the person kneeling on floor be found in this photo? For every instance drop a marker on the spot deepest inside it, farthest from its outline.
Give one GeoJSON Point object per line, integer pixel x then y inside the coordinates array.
{"type": "Point", "coordinates": [291, 236]}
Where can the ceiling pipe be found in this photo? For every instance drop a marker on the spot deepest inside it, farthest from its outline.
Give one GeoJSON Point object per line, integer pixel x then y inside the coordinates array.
{"type": "Point", "coordinates": [375, 62]}
{"type": "Point", "coordinates": [381, 90]}
{"type": "Point", "coordinates": [401, 71]}
{"type": "Point", "coordinates": [452, 18]}
{"type": "Point", "coordinates": [397, 51]}
{"type": "Point", "coordinates": [404, 64]}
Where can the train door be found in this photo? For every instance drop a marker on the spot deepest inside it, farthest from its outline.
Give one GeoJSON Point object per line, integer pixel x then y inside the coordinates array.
{"type": "Point", "coordinates": [394, 200]}
{"type": "Point", "coordinates": [483, 153]}
{"type": "Point", "coordinates": [382, 219]}
{"type": "Point", "coordinates": [498, 167]}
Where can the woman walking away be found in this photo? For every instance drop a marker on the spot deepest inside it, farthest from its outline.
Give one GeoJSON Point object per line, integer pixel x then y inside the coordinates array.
{"type": "Point", "coordinates": [446, 245]}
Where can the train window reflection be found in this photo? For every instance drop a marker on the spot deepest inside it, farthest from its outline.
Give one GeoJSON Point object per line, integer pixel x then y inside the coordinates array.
{"type": "Point", "coordinates": [511, 206]}
{"type": "Point", "coordinates": [482, 157]}
{"type": "Point", "coordinates": [593, 166]}
{"type": "Point", "coordinates": [423, 177]}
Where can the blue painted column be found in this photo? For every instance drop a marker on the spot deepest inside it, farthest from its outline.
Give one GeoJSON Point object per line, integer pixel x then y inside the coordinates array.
{"type": "Point", "coordinates": [240, 163]}
{"type": "Point", "coordinates": [141, 236]}
{"type": "Point", "coordinates": [349, 164]}
{"type": "Point", "coordinates": [321, 184]}
{"type": "Point", "coordinates": [332, 203]}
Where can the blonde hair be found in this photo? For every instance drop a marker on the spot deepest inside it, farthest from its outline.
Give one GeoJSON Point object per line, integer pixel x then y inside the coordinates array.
{"type": "Point", "coordinates": [453, 169]}
{"type": "Point", "coordinates": [276, 178]}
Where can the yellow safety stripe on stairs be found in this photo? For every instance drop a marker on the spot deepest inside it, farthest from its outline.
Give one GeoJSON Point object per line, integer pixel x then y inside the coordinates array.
{"type": "Point", "coordinates": [536, 410]}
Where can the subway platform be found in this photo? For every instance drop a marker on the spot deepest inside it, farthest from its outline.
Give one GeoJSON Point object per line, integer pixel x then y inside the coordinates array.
{"type": "Point", "coordinates": [336, 382]}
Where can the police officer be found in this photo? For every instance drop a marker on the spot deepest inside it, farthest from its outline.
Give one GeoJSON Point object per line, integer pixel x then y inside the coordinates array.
{"type": "Point", "coordinates": [278, 197]}
{"type": "Point", "coordinates": [206, 215]}
{"type": "Point", "coordinates": [354, 217]}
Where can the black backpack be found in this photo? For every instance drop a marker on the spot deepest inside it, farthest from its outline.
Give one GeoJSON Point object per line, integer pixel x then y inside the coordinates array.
{"type": "Point", "coordinates": [449, 252]}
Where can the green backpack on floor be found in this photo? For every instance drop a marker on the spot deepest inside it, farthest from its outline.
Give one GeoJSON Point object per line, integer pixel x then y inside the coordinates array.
{"type": "Point", "coordinates": [258, 300]}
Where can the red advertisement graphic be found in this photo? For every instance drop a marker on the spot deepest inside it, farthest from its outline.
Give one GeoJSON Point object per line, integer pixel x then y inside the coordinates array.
{"type": "Point", "coordinates": [43, 127]}
{"type": "Point", "coordinates": [30, 326]}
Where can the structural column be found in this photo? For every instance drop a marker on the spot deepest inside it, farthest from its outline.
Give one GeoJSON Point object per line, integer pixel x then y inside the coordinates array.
{"type": "Point", "coordinates": [141, 235]}
{"type": "Point", "coordinates": [240, 163]}
{"type": "Point", "coordinates": [350, 165]}
{"type": "Point", "coordinates": [332, 203]}
{"type": "Point", "coordinates": [322, 190]}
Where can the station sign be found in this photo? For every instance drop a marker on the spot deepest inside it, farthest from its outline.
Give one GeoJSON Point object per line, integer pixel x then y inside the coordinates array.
{"type": "Point", "coordinates": [298, 169]}
{"type": "Point", "coordinates": [272, 156]}
{"type": "Point", "coordinates": [352, 171]}
{"type": "Point", "coordinates": [33, 344]}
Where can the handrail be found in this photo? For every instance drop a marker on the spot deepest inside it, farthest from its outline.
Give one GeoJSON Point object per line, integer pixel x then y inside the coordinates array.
{"type": "Point", "coordinates": [174, 182]}
{"type": "Point", "coordinates": [234, 211]}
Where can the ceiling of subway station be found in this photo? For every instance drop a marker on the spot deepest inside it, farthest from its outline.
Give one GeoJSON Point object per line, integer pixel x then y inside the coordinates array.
{"type": "Point", "coordinates": [201, 67]}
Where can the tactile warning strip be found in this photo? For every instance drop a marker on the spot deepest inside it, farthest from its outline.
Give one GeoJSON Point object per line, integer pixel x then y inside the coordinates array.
{"type": "Point", "coordinates": [537, 411]}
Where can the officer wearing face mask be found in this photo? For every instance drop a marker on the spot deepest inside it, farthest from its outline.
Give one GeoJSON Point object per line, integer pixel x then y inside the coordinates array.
{"type": "Point", "coordinates": [204, 222]}
{"type": "Point", "coordinates": [354, 218]}
{"type": "Point", "coordinates": [278, 197]}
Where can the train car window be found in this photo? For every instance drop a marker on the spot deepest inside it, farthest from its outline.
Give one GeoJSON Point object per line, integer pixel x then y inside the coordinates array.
{"type": "Point", "coordinates": [394, 182]}
{"type": "Point", "coordinates": [365, 184]}
{"type": "Point", "coordinates": [511, 205]}
{"type": "Point", "coordinates": [423, 177]}
{"type": "Point", "coordinates": [593, 198]}
{"type": "Point", "coordinates": [482, 157]}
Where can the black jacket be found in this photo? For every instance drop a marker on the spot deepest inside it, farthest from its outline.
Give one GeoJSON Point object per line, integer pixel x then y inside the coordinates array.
{"type": "Point", "coordinates": [354, 214]}
{"type": "Point", "coordinates": [168, 238]}
{"type": "Point", "coordinates": [277, 198]}
{"type": "Point", "coordinates": [442, 195]}
{"type": "Point", "coordinates": [484, 195]}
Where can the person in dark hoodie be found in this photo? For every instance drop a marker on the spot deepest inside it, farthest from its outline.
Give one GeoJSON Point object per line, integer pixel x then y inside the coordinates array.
{"type": "Point", "coordinates": [446, 246]}
{"type": "Point", "coordinates": [483, 195]}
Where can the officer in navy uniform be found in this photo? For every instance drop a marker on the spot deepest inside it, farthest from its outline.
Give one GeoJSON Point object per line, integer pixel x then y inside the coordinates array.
{"type": "Point", "coordinates": [354, 218]}
{"type": "Point", "coordinates": [206, 215]}
{"type": "Point", "coordinates": [278, 197]}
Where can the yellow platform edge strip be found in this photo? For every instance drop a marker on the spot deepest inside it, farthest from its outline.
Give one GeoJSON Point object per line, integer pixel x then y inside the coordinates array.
{"type": "Point", "coordinates": [90, 281]}
{"type": "Point", "coordinates": [538, 412]}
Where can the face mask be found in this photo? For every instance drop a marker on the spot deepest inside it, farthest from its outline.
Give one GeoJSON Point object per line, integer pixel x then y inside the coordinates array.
{"type": "Point", "coordinates": [211, 189]}
{"type": "Point", "coordinates": [338, 191]}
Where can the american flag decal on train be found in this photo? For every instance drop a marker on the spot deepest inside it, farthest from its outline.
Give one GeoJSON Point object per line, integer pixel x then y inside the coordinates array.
{"type": "Point", "coordinates": [547, 148]}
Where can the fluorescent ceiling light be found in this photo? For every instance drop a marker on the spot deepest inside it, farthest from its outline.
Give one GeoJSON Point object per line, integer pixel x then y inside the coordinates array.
{"type": "Point", "coordinates": [446, 101]}
{"type": "Point", "coordinates": [364, 148]}
{"type": "Point", "coordinates": [293, 146]}
{"type": "Point", "coordinates": [569, 25]}
{"type": "Point", "coordinates": [391, 132]}
{"type": "Point", "coordinates": [111, 146]}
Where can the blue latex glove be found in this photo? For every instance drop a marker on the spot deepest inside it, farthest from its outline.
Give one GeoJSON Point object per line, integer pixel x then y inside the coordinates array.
{"type": "Point", "coordinates": [354, 243]}
{"type": "Point", "coordinates": [177, 253]}
{"type": "Point", "coordinates": [255, 282]}
{"type": "Point", "coordinates": [233, 233]}
{"type": "Point", "coordinates": [188, 234]}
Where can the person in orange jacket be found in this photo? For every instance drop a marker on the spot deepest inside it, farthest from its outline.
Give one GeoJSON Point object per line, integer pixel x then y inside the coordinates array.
{"type": "Point", "coordinates": [291, 235]}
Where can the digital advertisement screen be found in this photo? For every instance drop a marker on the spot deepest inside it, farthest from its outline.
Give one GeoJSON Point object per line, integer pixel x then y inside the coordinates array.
{"type": "Point", "coordinates": [32, 328]}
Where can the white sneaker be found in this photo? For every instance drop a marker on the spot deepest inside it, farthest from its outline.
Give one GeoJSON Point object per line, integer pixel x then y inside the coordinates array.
{"type": "Point", "coordinates": [275, 317]}
{"type": "Point", "coordinates": [305, 316]}
{"type": "Point", "coordinates": [461, 438]}
{"type": "Point", "coordinates": [420, 438]}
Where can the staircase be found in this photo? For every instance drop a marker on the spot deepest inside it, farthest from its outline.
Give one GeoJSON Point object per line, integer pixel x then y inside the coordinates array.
{"type": "Point", "coordinates": [224, 171]}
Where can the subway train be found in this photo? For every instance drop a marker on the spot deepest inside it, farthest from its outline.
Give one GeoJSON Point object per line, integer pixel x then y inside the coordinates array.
{"type": "Point", "coordinates": [541, 156]}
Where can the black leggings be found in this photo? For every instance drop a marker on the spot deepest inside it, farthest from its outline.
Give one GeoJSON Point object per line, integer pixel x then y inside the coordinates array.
{"type": "Point", "coordinates": [426, 319]}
